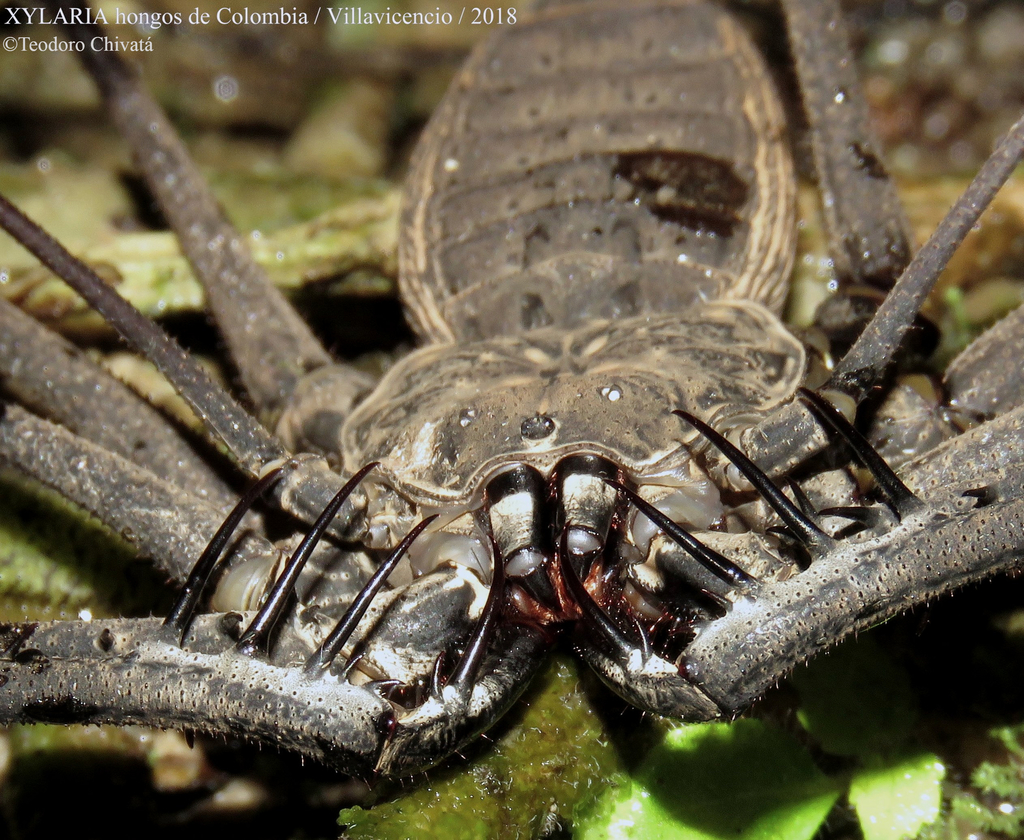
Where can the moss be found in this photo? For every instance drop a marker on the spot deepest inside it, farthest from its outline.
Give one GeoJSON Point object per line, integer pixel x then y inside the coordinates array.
{"type": "Point", "coordinates": [544, 770]}
{"type": "Point", "coordinates": [56, 560]}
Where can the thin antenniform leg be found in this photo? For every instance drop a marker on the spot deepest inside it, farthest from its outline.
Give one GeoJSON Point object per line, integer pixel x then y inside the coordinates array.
{"type": "Point", "coordinates": [304, 490]}
{"type": "Point", "coordinates": [269, 343]}
{"type": "Point", "coordinates": [793, 433]}
{"type": "Point", "coordinates": [247, 440]}
{"type": "Point", "coordinates": [874, 350]}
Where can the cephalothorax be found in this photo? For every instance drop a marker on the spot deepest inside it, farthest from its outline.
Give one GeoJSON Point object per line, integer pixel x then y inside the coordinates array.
{"type": "Point", "coordinates": [598, 237]}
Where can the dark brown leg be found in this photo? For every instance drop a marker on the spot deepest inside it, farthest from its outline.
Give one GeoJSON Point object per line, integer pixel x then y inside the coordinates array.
{"type": "Point", "coordinates": [160, 519]}
{"type": "Point", "coordinates": [269, 343]}
{"type": "Point", "coordinates": [869, 238]}
{"type": "Point", "coordinates": [54, 379]}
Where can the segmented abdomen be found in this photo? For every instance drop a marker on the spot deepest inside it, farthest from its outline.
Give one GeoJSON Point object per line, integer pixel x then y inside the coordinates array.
{"type": "Point", "coordinates": [528, 206]}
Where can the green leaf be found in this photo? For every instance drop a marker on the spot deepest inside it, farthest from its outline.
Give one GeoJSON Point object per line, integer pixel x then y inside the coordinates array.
{"type": "Point", "coordinates": [745, 781]}
{"type": "Point", "coordinates": [856, 701]}
{"type": "Point", "coordinates": [897, 799]}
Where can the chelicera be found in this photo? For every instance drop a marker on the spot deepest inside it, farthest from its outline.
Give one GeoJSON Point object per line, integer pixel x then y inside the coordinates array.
{"type": "Point", "coordinates": [600, 301]}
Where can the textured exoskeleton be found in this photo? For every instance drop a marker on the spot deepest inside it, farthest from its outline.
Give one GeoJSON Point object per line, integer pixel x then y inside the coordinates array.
{"type": "Point", "coordinates": [597, 239]}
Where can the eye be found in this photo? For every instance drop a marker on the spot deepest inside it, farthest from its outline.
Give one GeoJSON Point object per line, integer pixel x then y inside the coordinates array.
{"type": "Point", "coordinates": [537, 428]}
